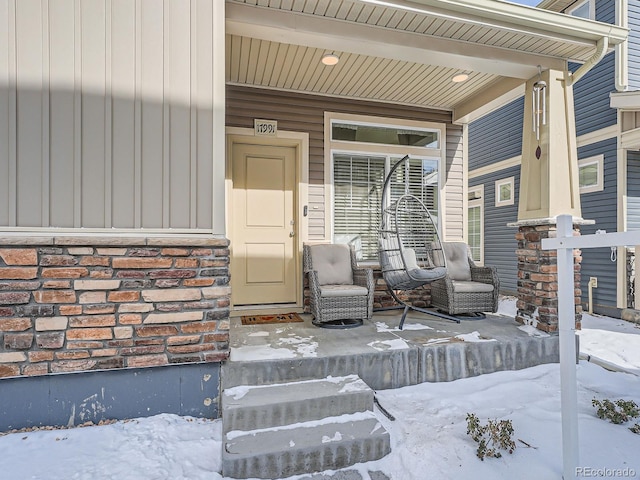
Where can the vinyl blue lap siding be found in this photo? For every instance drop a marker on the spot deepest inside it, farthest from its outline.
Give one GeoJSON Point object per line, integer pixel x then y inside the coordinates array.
{"type": "Point", "coordinates": [496, 136]}
{"type": "Point", "coordinates": [601, 207]}
{"type": "Point", "coordinates": [591, 97]}
{"type": "Point", "coordinates": [634, 45]}
{"type": "Point", "coordinates": [606, 10]}
{"type": "Point", "coordinates": [499, 240]}
{"type": "Point", "coordinates": [500, 243]}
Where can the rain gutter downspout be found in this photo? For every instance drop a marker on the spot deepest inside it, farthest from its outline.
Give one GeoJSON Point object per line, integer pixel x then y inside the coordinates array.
{"type": "Point", "coordinates": [622, 20]}
{"type": "Point", "coordinates": [622, 49]}
{"type": "Point", "coordinates": [601, 50]}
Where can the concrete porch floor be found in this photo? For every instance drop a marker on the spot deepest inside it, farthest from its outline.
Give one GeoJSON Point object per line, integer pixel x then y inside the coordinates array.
{"type": "Point", "coordinates": [429, 349]}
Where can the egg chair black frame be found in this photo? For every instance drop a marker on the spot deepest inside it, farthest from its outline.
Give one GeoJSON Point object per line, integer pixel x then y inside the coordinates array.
{"type": "Point", "coordinates": [409, 246]}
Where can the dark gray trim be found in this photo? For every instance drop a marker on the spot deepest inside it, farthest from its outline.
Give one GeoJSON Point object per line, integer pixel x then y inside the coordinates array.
{"type": "Point", "coordinates": [606, 310]}
{"type": "Point", "coordinates": [74, 398]}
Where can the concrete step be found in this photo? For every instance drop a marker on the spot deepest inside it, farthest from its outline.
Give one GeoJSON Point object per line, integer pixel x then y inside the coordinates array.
{"type": "Point", "coordinates": [347, 474]}
{"type": "Point", "coordinates": [256, 407]}
{"type": "Point", "coordinates": [332, 443]}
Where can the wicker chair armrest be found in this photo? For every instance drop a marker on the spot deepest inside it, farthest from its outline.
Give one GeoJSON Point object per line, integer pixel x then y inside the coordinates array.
{"type": "Point", "coordinates": [363, 277]}
{"type": "Point", "coordinates": [314, 283]}
{"type": "Point", "coordinates": [485, 275]}
{"type": "Point", "coordinates": [446, 282]}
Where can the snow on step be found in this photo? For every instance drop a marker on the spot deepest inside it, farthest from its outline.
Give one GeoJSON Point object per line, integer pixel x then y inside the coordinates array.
{"type": "Point", "coordinates": [327, 444]}
{"type": "Point", "coordinates": [255, 407]}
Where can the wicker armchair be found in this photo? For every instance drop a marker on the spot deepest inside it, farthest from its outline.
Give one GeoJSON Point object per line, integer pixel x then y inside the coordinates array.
{"type": "Point", "coordinates": [466, 288]}
{"type": "Point", "coordinates": [341, 293]}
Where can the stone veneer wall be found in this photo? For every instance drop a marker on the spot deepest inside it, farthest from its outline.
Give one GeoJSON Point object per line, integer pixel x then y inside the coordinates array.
{"type": "Point", "coordinates": [73, 303]}
{"type": "Point", "coordinates": [537, 302]}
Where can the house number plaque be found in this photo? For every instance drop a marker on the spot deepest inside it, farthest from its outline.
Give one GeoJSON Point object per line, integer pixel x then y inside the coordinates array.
{"type": "Point", "coordinates": [265, 127]}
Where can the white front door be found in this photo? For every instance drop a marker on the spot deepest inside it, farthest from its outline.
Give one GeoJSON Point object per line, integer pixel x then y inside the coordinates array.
{"type": "Point", "coordinates": [264, 264]}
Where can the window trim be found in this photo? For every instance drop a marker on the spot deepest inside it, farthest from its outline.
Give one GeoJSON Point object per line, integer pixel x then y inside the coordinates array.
{"type": "Point", "coordinates": [592, 9]}
{"type": "Point", "coordinates": [498, 184]}
{"type": "Point", "coordinates": [477, 202]}
{"type": "Point", "coordinates": [376, 123]}
{"type": "Point", "coordinates": [332, 147]}
{"type": "Point", "coordinates": [597, 160]}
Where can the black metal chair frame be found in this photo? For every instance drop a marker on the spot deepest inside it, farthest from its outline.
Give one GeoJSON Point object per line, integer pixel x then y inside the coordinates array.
{"type": "Point", "coordinates": [408, 241]}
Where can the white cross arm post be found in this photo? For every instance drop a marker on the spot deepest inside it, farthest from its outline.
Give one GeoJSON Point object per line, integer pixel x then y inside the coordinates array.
{"type": "Point", "coordinates": [564, 243]}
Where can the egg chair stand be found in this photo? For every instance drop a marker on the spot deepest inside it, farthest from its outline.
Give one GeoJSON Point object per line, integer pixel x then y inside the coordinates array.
{"type": "Point", "coordinates": [409, 246]}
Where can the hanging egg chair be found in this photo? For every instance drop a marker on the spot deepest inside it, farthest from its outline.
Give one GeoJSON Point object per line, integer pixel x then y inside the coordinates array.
{"type": "Point", "coordinates": [409, 246]}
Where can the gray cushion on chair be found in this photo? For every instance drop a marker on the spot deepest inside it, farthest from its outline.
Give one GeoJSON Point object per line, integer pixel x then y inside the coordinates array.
{"type": "Point", "coordinates": [428, 274]}
{"type": "Point", "coordinates": [471, 287]}
{"type": "Point", "coordinates": [333, 264]}
{"type": "Point", "coordinates": [342, 291]}
{"type": "Point", "coordinates": [410, 260]}
{"type": "Point", "coordinates": [457, 261]}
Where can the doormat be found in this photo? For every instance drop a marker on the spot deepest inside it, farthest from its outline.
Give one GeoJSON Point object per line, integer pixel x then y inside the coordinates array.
{"type": "Point", "coordinates": [262, 319]}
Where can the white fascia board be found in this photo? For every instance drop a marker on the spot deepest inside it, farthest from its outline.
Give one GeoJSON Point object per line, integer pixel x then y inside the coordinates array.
{"type": "Point", "coordinates": [510, 16]}
{"type": "Point", "coordinates": [625, 100]}
{"type": "Point", "coordinates": [630, 139]}
{"type": "Point", "coordinates": [338, 35]}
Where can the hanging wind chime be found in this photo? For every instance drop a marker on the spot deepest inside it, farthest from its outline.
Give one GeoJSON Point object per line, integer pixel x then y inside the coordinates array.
{"type": "Point", "coordinates": [539, 108]}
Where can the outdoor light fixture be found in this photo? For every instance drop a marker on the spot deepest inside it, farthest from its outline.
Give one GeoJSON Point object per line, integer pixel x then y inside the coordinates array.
{"type": "Point", "coordinates": [330, 59]}
{"type": "Point", "coordinates": [460, 77]}
{"type": "Point", "coordinates": [539, 107]}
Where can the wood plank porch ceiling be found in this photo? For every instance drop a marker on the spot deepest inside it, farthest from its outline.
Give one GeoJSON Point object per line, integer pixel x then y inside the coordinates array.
{"type": "Point", "coordinates": [401, 52]}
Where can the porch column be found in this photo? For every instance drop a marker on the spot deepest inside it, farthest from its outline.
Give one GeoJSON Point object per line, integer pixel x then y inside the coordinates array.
{"type": "Point", "coordinates": [548, 187]}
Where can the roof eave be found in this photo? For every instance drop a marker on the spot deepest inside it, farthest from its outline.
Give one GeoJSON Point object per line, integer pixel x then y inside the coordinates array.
{"type": "Point", "coordinates": [511, 16]}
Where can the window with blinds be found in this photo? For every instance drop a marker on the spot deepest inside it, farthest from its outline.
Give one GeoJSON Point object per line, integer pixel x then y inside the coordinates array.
{"type": "Point", "coordinates": [363, 151]}
{"type": "Point", "coordinates": [357, 184]}
{"type": "Point", "coordinates": [475, 233]}
{"type": "Point", "coordinates": [358, 181]}
{"type": "Point", "coordinates": [475, 220]}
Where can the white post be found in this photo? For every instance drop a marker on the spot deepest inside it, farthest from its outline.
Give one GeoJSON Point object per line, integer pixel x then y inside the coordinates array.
{"type": "Point", "coordinates": [567, 331]}
{"type": "Point", "coordinates": [564, 243]}
{"type": "Point", "coordinates": [636, 281]}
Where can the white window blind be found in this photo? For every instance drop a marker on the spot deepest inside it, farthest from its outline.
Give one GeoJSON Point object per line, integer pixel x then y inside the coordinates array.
{"type": "Point", "coordinates": [358, 182]}
{"type": "Point", "coordinates": [475, 232]}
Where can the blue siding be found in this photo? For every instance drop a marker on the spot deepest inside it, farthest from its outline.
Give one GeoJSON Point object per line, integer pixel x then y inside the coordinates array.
{"type": "Point", "coordinates": [601, 207]}
{"type": "Point", "coordinates": [634, 45]}
{"type": "Point", "coordinates": [591, 93]}
{"type": "Point", "coordinates": [633, 191]}
{"type": "Point", "coordinates": [591, 97]}
{"type": "Point", "coordinates": [606, 11]}
{"type": "Point", "coordinates": [500, 241]}
{"type": "Point", "coordinates": [496, 136]}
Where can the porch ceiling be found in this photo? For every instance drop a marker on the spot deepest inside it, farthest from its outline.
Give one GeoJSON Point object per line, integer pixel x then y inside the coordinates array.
{"type": "Point", "coordinates": [403, 52]}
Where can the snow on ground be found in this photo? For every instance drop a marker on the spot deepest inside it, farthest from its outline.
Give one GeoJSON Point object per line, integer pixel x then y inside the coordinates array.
{"type": "Point", "coordinates": [428, 437]}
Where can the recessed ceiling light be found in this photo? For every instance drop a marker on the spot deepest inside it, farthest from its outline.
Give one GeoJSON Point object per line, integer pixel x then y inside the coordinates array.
{"type": "Point", "coordinates": [330, 59]}
{"type": "Point", "coordinates": [461, 77]}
